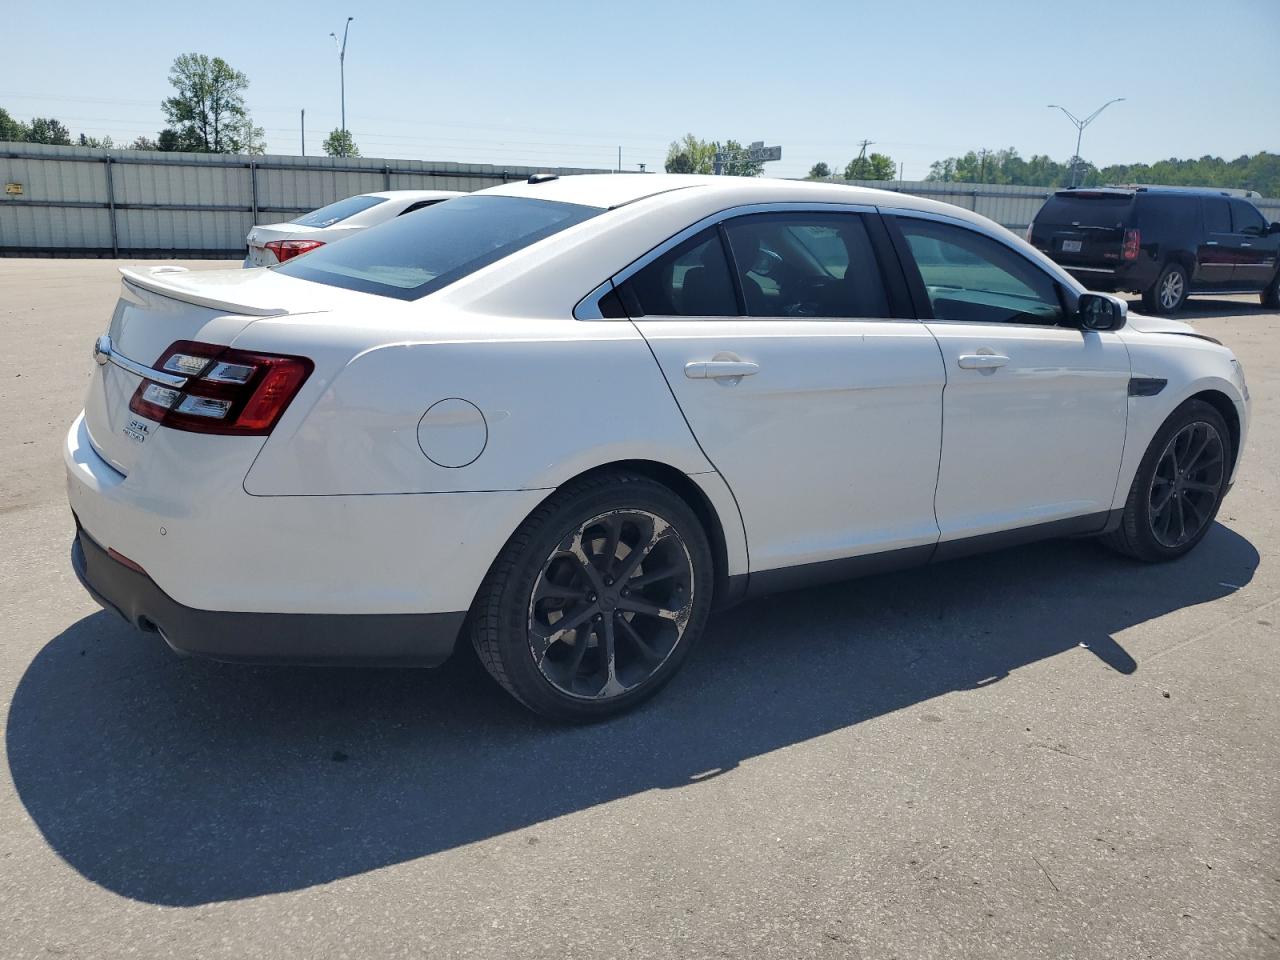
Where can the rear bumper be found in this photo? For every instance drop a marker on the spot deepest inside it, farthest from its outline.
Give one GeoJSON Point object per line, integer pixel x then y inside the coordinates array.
{"type": "Point", "coordinates": [417, 639]}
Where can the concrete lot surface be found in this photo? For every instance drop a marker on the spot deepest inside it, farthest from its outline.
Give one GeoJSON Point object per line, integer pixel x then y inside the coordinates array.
{"type": "Point", "coordinates": [1049, 752]}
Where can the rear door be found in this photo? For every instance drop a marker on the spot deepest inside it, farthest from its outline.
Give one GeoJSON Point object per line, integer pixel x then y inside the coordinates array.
{"type": "Point", "coordinates": [1216, 255]}
{"type": "Point", "coordinates": [1254, 248]}
{"type": "Point", "coordinates": [818, 404]}
{"type": "Point", "coordinates": [1034, 410]}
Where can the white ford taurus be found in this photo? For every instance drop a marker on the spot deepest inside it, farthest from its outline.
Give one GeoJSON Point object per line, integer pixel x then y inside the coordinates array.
{"type": "Point", "coordinates": [564, 419]}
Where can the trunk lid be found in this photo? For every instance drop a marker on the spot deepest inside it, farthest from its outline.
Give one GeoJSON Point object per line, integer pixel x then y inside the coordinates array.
{"type": "Point", "coordinates": [161, 305]}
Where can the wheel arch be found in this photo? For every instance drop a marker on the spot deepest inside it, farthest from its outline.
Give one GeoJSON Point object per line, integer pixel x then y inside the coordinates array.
{"type": "Point", "coordinates": [1227, 408]}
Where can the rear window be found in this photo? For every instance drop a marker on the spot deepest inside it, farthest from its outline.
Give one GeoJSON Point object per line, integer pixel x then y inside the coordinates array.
{"type": "Point", "coordinates": [410, 257]}
{"type": "Point", "coordinates": [337, 212]}
{"type": "Point", "coordinates": [1086, 209]}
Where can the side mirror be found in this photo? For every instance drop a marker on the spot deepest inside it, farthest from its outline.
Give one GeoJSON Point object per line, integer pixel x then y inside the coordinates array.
{"type": "Point", "coordinates": [1101, 311]}
{"type": "Point", "coordinates": [1275, 228]}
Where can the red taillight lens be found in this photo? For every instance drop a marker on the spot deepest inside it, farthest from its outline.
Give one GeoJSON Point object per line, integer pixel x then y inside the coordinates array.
{"type": "Point", "coordinates": [1132, 243]}
{"type": "Point", "coordinates": [288, 249]}
{"type": "Point", "coordinates": [227, 391]}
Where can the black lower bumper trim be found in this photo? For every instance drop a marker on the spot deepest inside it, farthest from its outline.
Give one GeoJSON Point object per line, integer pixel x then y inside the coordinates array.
{"type": "Point", "coordinates": [411, 639]}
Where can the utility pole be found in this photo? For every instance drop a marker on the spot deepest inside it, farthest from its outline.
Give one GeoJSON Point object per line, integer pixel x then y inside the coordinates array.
{"type": "Point", "coordinates": [304, 131]}
{"type": "Point", "coordinates": [1080, 125]}
{"type": "Point", "coordinates": [619, 159]}
{"type": "Point", "coordinates": [859, 163]}
{"type": "Point", "coordinates": [342, 68]}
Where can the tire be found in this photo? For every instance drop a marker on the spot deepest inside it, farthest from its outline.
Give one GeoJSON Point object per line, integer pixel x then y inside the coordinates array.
{"type": "Point", "coordinates": [1169, 292]}
{"type": "Point", "coordinates": [1179, 482]}
{"type": "Point", "coordinates": [1270, 296]}
{"type": "Point", "coordinates": [554, 569]}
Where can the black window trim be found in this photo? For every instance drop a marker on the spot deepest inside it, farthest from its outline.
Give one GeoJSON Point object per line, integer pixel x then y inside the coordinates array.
{"type": "Point", "coordinates": [896, 285]}
{"type": "Point", "coordinates": [1068, 293]}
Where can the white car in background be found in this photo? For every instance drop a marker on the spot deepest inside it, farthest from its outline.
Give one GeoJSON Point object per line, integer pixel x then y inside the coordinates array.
{"type": "Point", "coordinates": [274, 243]}
{"type": "Point", "coordinates": [562, 419]}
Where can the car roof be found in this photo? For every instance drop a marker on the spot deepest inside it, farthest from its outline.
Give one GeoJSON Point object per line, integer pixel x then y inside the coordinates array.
{"type": "Point", "coordinates": [1086, 192]}
{"type": "Point", "coordinates": [609, 191]}
{"type": "Point", "coordinates": [413, 194]}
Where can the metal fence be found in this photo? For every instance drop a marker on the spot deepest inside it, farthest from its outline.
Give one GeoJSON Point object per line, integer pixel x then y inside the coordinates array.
{"type": "Point", "coordinates": [80, 201]}
{"type": "Point", "coordinates": [1010, 206]}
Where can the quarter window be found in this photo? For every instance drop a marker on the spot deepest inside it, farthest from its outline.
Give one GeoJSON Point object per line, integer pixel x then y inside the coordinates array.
{"type": "Point", "coordinates": [806, 265]}
{"type": "Point", "coordinates": [691, 279]}
{"type": "Point", "coordinates": [971, 277]}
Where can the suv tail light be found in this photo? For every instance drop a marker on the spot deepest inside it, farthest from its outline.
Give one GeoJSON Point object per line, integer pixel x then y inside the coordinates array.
{"type": "Point", "coordinates": [288, 249]}
{"type": "Point", "coordinates": [227, 391]}
{"type": "Point", "coordinates": [1132, 241]}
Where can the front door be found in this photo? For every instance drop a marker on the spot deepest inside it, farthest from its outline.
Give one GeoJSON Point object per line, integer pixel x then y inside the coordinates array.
{"type": "Point", "coordinates": [821, 411]}
{"type": "Point", "coordinates": [1034, 410]}
{"type": "Point", "coordinates": [1255, 247]}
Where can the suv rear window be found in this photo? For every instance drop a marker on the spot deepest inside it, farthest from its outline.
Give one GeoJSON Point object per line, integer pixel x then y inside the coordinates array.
{"type": "Point", "coordinates": [1086, 209]}
{"type": "Point", "coordinates": [337, 212]}
{"type": "Point", "coordinates": [410, 257]}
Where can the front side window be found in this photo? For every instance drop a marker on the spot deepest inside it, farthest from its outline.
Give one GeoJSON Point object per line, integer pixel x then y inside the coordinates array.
{"type": "Point", "coordinates": [972, 278]}
{"type": "Point", "coordinates": [410, 257]}
{"type": "Point", "coordinates": [691, 279]}
{"type": "Point", "coordinates": [818, 265]}
{"type": "Point", "coordinates": [337, 212]}
{"type": "Point", "coordinates": [1246, 218]}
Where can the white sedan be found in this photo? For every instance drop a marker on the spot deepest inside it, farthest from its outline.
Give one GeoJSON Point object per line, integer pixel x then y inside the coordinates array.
{"type": "Point", "coordinates": [562, 420]}
{"type": "Point", "coordinates": [274, 243]}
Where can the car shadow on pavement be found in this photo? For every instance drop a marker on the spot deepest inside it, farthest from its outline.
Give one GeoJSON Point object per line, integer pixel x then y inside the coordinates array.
{"type": "Point", "coordinates": [183, 782]}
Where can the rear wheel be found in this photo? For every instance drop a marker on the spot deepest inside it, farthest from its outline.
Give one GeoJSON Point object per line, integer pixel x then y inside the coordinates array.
{"type": "Point", "coordinates": [1270, 296]}
{"type": "Point", "coordinates": [1169, 292]}
{"type": "Point", "coordinates": [595, 601]}
{"type": "Point", "coordinates": [1178, 488]}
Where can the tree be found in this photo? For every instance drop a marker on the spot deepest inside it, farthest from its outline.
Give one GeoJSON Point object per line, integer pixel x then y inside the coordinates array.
{"type": "Point", "coordinates": [102, 143]}
{"type": "Point", "coordinates": [691, 155]}
{"type": "Point", "coordinates": [11, 129]}
{"type": "Point", "coordinates": [144, 143]}
{"type": "Point", "coordinates": [339, 144]}
{"type": "Point", "coordinates": [819, 171]}
{"type": "Point", "coordinates": [48, 130]}
{"type": "Point", "coordinates": [169, 141]}
{"type": "Point", "coordinates": [208, 112]}
{"type": "Point", "coordinates": [878, 166]}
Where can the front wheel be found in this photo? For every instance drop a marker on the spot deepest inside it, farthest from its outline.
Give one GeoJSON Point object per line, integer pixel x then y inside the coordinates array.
{"type": "Point", "coordinates": [597, 598]}
{"type": "Point", "coordinates": [1169, 292]}
{"type": "Point", "coordinates": [1178, 487]}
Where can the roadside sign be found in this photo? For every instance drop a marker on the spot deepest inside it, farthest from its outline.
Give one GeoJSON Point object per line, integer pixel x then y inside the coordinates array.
{"type": "Point", "coordinates": [13, 189]}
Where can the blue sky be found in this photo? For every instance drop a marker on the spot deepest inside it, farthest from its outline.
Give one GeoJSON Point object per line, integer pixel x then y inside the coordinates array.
{"type": "Point", "coordinates": [568, 83]}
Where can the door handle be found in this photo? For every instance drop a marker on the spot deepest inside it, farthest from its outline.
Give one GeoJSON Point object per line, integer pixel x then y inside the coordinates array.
{"type": "Point", "coordinates": [719, 369]}
{"type": "Point", "coordinates": [1246, 244]}
{"type": "Point", "coordinates": [981, 361]}
{"type": "Point", "coordinates": [1211, 243]}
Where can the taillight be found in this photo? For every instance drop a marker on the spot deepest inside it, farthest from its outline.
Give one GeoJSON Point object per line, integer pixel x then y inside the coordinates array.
{"type": "Point", "coordinates": [1132, 242]}
{"type": "Point", "coordinates": [288, 249]}
{"type": "Point", "coordinates": [227, 391]}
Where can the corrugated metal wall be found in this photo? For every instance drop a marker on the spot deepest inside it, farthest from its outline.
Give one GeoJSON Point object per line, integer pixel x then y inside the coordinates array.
{"type": "Point", "coordinates": [78, 201]}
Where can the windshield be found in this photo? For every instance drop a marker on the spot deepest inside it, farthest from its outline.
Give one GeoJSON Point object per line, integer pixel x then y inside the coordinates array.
{"type": "Point", "coordinates": [410, 257]}
{"type": "Point", "coordinates": [337, 212]}
{"type": "Point", "coordinates": [1086, 209]}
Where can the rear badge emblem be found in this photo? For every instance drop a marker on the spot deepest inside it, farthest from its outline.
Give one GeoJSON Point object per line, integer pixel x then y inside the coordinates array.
{"type": "Point", "coordinates": [137, 430]}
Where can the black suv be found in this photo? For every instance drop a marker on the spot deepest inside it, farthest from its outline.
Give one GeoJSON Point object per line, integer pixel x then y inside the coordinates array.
{"type": "Point", "coordinates": [1163, 243]}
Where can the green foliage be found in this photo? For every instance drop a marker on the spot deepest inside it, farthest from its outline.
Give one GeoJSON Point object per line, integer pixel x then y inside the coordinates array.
{"type": "Point", "coordinates": [340, 144]}
{"type": "Point", "coordinates": [878, 166]}
{"type": "Point", "coordinates": [144, 143]}
{"type": "Point", "coordinates": [102, 143]}
{"type": "Point", "coordinates": [1260, 172]}
{"type": "Point", "coordinates": [691, 155]}
{"type": "Point", "coordinates": [819, 171]}
{"type": "Point", "coordinates": [207, 112]}
{"type": "Point", "coordinates": [48, 130]}
{"type": "Point", "coordinates": [11, 129]}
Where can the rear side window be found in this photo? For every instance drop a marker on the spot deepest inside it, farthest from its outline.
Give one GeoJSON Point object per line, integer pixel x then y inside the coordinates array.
{"type": "Point", "coordinates": [1217, 216]}
{"type": "Point", "coordinates": [1086, 210]}
{"type": "Point", "coordinates": [817, 265]}
{"type": "Point", "coordinates": [337, 212]}
{"type": "Point", "coordinates": [1246, 218]}
{"type": "Point", "coordinates": [1168, 214]}
{"type": "Point", "coordinates": [972, 278]}
{"type": "Point", "coordinates": [418, 206]}
{"type": "Point", "coordinates": [410, 257]}
{"type": "Point", "coordinates": [691, 279]}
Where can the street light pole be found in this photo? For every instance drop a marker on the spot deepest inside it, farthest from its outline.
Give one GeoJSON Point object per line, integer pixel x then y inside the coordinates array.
{"type": "Point", "coordinates": [342, 68]}
{"type": "Point", "coordinates": [1080, 125]}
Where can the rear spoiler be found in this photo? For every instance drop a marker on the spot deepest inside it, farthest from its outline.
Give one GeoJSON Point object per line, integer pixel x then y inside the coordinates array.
{"type": "Point", "coordinates": [167, 281]}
